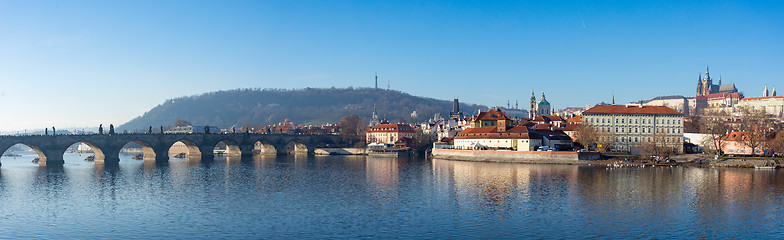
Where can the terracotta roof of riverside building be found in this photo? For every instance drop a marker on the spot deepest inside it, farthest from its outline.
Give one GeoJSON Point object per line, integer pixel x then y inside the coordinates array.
{"type": "Point", "coordinates": [493, 114]}
{"type": "Point", "coordinates": [493, 133]}
{"type": "Point", "coordinates": [636, 109]}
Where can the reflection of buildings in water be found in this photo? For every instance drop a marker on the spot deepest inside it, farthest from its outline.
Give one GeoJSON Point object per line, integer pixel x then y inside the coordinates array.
{"type": "Point", "coordinates": [383, 175]}
{"type": "Point", "coordinates": [498, 184]}
{"type": "Point", "coordinates": [261, 161]}
{"type": "Point", "coordinates": [636, 192]}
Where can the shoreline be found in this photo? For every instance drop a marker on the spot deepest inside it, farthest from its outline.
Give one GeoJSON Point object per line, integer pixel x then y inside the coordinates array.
{"type": "Point", "coordinates": [575, 158]}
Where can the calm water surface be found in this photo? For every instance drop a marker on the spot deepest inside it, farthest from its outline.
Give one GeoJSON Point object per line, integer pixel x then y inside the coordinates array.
{"type": "Point", "coordinates": [371, 197]}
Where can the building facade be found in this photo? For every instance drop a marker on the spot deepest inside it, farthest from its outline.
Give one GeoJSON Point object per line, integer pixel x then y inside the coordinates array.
{"type": "Point", "coordinates": [771, 105]}
{"type": "Point", "coordinates": [679, 103]}
{"type": "Point", "coordinates": [388, 133]}
{"type": "Point", "coordinates": [635, 125]}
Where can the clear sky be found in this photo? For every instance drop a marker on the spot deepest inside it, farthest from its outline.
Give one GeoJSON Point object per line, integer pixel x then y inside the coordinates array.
{"type": "Point", "coordinates": [81, 63]}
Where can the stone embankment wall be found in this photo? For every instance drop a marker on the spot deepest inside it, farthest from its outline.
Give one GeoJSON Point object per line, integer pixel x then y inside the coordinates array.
{"type": "Point", "coordinates": [339, 151]}
{"type": "Point", "coordinates": [516, 156]}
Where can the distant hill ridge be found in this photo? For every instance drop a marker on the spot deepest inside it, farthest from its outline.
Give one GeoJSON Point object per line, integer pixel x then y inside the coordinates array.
{"type": "Point", "coordinates": [309, 106]}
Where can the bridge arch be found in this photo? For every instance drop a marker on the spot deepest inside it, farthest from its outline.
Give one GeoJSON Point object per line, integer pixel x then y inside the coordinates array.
{"type": "Point", "coordinates": [187, 146]}
{"type": "Point", "coordinates": [233, 149]}
{"type": "Point", "coordinates": [295, 147]}
{"type": "Point", "coordinates": [262, 147]}
{"type": "Point", "coordinates": [41, 154]}
{"type": "Point", "coordinates": [148, 152]}
{"type": "Point", "coordinates": [98, 153]}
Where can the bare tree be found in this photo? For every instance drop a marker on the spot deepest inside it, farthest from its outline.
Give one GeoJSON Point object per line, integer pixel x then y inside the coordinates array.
{"type": "Point", "coordinates": [352, 130]}
{"type": "Point", "coordinates": [659, 145]}
{"type": "Point", "coordinates": [755, 128]}
{"type": "Point", "coordinates": [777, 143]}
{"type": "Point", "coordinates": [716, 127]}
{"type": "Point", "coordinates": [181, 123]}
{"type": "Point", "coordinates": [587, 135]}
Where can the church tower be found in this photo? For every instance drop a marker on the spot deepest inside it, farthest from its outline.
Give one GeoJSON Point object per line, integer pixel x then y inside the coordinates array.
{"type": "Point", "coordinates": [532, 111]}
{"type": "Point", "coordinates": [765, 92]}
{"type": "Point", "coordinates": [374, 119]}
{"type": "Point", "coordinates": [543, 107]}
{"type": "Point", "coordinates": [705, 85]}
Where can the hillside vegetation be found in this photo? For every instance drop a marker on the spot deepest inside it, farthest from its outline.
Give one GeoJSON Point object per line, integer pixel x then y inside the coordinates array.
{"type": "Point", "coordinates": [310, 106]}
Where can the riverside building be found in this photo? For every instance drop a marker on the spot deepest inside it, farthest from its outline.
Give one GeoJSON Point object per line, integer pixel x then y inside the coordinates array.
{"type": "Point", "coordinates": [634, 125]}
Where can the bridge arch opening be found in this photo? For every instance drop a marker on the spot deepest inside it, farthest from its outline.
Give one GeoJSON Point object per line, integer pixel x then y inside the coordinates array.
{"type": "Point", "coordinates": [85, 150]}
{"type": "Point", "coordinates": [264, 148]}
{"type": "Point", "coordinates": [139, 149]}
{"type": "Point", "coordinates": [184, 149]}
{"type": "Point", "coordinates": [296, 148]}
{"type": "Point", "coordinates": [227, 148]}
{"type": "Point", "coordinates": [23, 151]}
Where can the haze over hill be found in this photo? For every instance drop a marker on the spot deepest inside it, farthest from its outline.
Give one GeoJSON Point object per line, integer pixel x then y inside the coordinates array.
{"type": "Point", "coordinates": [256, 107]}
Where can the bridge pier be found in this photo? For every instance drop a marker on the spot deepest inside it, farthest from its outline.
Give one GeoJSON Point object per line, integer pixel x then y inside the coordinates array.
{"type": "Point", "coordinates": [51, 158]}
{"type": "Point", "coordinates": [207, 152]}
{"type": "Point", "coordinates": [161, 154]}
{"type": "Point", "coordinates": [108, 155]}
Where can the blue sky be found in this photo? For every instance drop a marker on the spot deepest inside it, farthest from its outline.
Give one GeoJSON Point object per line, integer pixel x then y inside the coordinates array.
{"type": "Point", "coordinates": [81, 63]}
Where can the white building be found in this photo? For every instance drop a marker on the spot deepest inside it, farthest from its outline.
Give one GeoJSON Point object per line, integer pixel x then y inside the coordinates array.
{"type": "Point", "coordinates": [634, 125]}
{"type": "Point", "coordinates": [772, 105]}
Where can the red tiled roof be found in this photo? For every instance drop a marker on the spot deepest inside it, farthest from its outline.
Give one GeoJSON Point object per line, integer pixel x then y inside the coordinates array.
{"type": "Point", "coordinates": [723, 95]}
{"type": "Point", "coordinates": [568, 127]}
{"type": "Point", "coordinates": [575, 119]}
{"type": "Point", "coordinates": [632, 109]}
{"type": "Point", "coordinates": [388, 127]}
{"type": "Point", "coordinates": [549, 118]}
{"type": "Point", "coordinates": [517, 132]}
{"type": "Point", "coordinates": [760, 98]}
{"type": "Point", "coordinates": [493, 114]}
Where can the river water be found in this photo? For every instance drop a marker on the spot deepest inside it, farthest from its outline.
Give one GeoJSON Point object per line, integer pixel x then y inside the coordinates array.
{"type": "Point", "coordinates": [318, 197]}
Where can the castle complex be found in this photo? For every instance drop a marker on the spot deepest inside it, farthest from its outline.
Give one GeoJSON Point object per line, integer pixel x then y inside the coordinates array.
{"type": "Point", "coordinates": [706, 87]}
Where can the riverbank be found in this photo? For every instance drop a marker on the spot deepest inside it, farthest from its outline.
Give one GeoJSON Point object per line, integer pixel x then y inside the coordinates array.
{"type": "Point", "coordinates": [691, 160]}
{"type": "Point", "coordinates": [516, 156]}
{"type": "Point", "coordinates": [595, 159]}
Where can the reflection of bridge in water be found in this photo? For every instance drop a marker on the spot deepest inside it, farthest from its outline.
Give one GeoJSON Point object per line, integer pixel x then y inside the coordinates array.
{"type": "Point", "coordinates": [50, 148]}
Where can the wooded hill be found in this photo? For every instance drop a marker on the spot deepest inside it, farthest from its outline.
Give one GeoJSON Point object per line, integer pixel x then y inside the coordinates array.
{"type": "Point", "coordinates": [309, 106]}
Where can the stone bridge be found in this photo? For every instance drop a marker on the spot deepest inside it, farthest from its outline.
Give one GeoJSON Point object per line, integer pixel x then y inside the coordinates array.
{"type": "Point", "coordinates": [50, 148]}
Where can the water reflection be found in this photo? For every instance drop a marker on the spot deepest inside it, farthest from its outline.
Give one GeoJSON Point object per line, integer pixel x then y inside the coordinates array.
{"type": "Point", "coordinates": [383, 177]}
{"type": "Point", "coordinates": [382, 197]}
{"type": "Point", "coordinates": [494, 186]}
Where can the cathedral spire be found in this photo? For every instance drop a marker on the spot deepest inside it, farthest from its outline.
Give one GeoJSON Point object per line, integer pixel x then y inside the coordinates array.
{"type": "Point", "coordinates": [774, 91]}
{"type": "Point", "coordinates": [765, 93]}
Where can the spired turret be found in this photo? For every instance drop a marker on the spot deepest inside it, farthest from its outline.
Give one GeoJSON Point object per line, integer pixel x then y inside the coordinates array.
{"type": "Point", "coordinates": [532, 111]}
